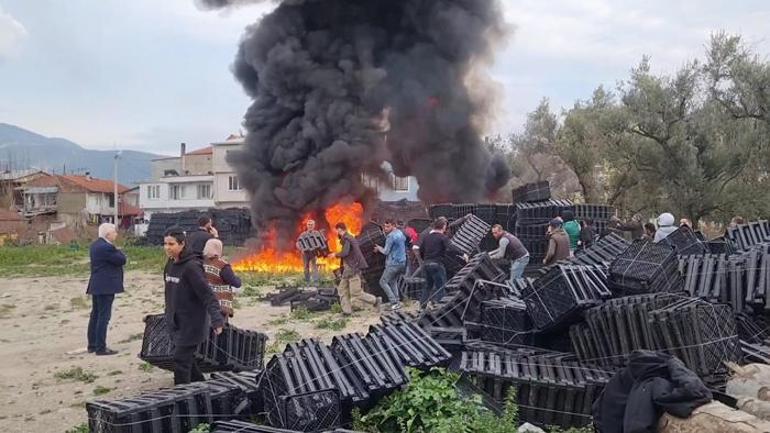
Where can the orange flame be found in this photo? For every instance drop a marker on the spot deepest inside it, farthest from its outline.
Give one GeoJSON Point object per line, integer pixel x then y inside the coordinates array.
{"type": "Point", "coordinates": [271, 260]}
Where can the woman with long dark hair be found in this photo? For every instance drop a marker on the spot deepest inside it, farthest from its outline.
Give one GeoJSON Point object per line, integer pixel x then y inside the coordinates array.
{"type": "Point", "coordinates": [191, 307]}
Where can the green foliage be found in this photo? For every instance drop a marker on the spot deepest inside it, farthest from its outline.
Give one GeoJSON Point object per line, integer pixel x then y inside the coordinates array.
{"type": "Point", "coordinates": [80, 428]}
{"type": "Point", "coordinates": [201, 428]}
{"type": "Point", "coordinates": [146, 367]}
{"type": "Point", "coordinates": [587, 429]}
{"type": "Point", "coordinates": [283, 337]}
{"type": "Point", "coordinates": [336, 308]}
{"type": "Point", "coordinates": [300, 314]}
{"type": "Point", "coordinates": [431, 404]}
{"type": "Point", "coordinates": [76, 374]}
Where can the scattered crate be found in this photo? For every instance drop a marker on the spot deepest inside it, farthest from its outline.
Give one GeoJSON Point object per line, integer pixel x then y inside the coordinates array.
{"type": "Point", "coordinates": [645, 267]}
{"type": "Point", "coordinates": [532, 192]}
{"type": "Point", "coordinates": [233, 349]}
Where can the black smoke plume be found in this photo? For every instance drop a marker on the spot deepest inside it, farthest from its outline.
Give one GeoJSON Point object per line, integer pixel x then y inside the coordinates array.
{"type": "Point", "coordinates": [339, 86]}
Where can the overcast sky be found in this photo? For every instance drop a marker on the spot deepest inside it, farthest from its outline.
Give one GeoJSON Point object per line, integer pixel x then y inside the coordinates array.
{"type": "Point", "coordinates": [149, 74]}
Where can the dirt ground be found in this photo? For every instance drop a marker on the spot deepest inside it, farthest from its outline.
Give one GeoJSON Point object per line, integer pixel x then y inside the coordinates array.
{"type": "Point", "coordinates": [44, 324]}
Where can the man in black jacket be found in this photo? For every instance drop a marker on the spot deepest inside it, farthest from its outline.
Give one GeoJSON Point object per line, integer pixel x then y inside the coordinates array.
{"type": "Point", "coordinates": [106, 280]}
{"type": "Point", "coordinates": [434, 249]}
{"type": "Point", "coordinates": [350, 290]}
{"type": "Point", "coordinates": [191, 306]}
{"type": "Point", "coordinates": [196, 239]}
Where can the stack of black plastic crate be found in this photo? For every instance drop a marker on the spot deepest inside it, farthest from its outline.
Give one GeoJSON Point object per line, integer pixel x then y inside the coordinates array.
{"type": "Point", "coordinates": [233, 225]}
{"type": "Point", "coordinates": [233, 349]}
{"type": "Point", "coordinates": [702, 334]}
{"type": "Point", "coordinates": [552, 389]}
{"type": "Point", "coordinates": [531, 224]}
{"type": "Point", "coordinates": [556, 299]}
{"type": "Point", "coordinates": [616, 328]}
{"type": "Point", "coordinates": [503, 321]}
{"type": "Point", "coordinates": [412, 288]}
{"type": "Point", "coordinates": [174, 410]}
{"type": "Point", "coordinates": [312, 386]}
{"type": "Point", "coordinates": [602, 252]}
{"type": "Point", "coordinates": [476, 282]}
{"type": "Point", "coordinates": [598, 213]}
{"type": "Point", "coordinates": [645, 267]}
{"type": "Point", "coordinates": [745, 236]}
{"type": "Point", "coordinates": [247, 427]}
{"type": "Point", "coordinates": [535, 191]}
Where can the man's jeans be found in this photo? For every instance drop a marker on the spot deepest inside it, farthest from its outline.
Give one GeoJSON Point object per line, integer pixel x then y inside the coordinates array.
{"type": "Point", "coordinates": [311, 269]}
{"type": "Point", "coordinates": [101, 312]}
{"type": "Point", "coordinates": [388, 281]}
{"type": "Point", "coordinates": [435, 279]}
{"type": "Point", "coordinates": [517, 268]}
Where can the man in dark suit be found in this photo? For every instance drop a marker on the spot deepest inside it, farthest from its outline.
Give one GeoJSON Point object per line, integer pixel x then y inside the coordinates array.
{"type": "Point", "coordinates": [106, 280]}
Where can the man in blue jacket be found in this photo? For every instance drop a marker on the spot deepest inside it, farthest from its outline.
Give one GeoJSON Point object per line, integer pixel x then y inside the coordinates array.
{"type": "Point", "coordinates": [395, 262]}
{"type": "Point", "coordinates": [106, 280]}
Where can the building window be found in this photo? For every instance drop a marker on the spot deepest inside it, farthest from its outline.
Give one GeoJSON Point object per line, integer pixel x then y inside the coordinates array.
{"type": "Point", "coordinates": [400, 183]}
{"type": "Point", "coordinates": [176, 192]}
{"type": "Point", "coordinates": [204, 192]}
{"type": "Point", "coordinates": [153, 192]}
{"type": "Point", "coordinates": [234, 184]}
{"type": "Point", "coordinates": [111, 198]}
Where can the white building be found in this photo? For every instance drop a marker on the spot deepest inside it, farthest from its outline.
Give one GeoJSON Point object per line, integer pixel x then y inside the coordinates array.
{"type": "Point", "coordinates": [228, 190]}
{"type": "Point", "coordinates": [184, 182]}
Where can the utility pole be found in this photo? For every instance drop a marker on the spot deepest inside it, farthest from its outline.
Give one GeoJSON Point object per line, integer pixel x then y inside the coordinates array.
{"type": "Point", "coordinates": [115, 184]}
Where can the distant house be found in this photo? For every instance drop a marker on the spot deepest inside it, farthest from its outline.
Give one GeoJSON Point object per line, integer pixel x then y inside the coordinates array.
{"type": "Point", "coordinates": [11, 225]}
{"type": "Point", "coordinates": [11, 182]}
{"type": "Point", "coordinates": [392, 188]}
{"type": "Point", "coordinates": [74, 198]}
{"type": "Point", "coordinates": [179, 183]}
{"type": "Point", "coordinates": [228, 188]}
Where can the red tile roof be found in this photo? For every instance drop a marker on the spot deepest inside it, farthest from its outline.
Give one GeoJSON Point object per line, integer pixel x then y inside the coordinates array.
{"type": "Point", "coordinates": [204, 151]}
{"type": "Point", "coordinates": [9, 215]}
{"type": "Point", "coordinates": [74, 183]}
{"type": "Point", "coordinates": [127, 209]}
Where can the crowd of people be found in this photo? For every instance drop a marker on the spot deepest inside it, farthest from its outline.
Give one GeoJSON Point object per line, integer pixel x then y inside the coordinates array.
{"type": "Point", "coordinates": [200, 283]}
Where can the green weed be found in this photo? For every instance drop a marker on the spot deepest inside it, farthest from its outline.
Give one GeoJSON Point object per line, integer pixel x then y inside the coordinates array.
{"type": "Point", "coordinates": [101, 390]}
{"type": "Point", "coordinates": [77, 374]}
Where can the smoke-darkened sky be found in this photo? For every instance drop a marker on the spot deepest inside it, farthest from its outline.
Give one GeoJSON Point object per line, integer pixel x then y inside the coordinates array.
{"type": "Point", "coordinates": [148, 74]}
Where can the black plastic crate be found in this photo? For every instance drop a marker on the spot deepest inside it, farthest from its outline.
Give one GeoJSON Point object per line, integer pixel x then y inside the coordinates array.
{"type": "Point", "coordinates": [536, 191]}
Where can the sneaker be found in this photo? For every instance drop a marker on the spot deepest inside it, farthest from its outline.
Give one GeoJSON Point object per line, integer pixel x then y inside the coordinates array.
{"type": "Point", "coordinates": [395, 307]}
{"type": "Point", "coordinates": [106, 352]}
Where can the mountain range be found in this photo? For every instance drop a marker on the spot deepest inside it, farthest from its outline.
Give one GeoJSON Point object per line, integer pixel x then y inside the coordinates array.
{"type": "Point", "coordinates": [21, 149]}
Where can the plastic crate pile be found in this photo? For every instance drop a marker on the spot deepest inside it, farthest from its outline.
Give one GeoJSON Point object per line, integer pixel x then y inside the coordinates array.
{"type": "Point", "coordinates": [412, 288]}
{"type": "Point", "coordinates": [703, 335]}
{"type": "Point", "coordinates": [531, 223]}
{"type": "Point", "coordinates": [233, 225]}
{"type": "Point", "coordinates": [616, 328]}
{"type": "Point", "coordinates": [603, 252]}
{"type": "Point", "coordinates": [174, 410]}
{"type": "Point", "coordinates": [745, 236]}
{"type": "Point", "coordinates": [504, 322]}
{"type": "Point", "coordinates": [551, 388]}
{"type": "Point", "coordinates": [233, 349]}
{"type": "Point", "coordinates": [475, 283]}
{"type": "Point", "coordinates": [535, 191]}
{"type": "Point", "coordinates": [319, 299]}
{"type": "Point", "coordinates": [311, 385]}
{"type": "Point", "coordinates": [685, 242]}
{"type": "Point", "coordinates": [556, 299]}
{"type": "Point", "coordinates": [468, 235]}
{"type": "Point", "coordinates": [645, 267]}
{"type": "Point", "coordinates": [742, 280]}
{"type": "Point", "coordinates": [600, 215]}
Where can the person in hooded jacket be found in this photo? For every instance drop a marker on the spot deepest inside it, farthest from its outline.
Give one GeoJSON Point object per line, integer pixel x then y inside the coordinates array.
{"type": "Point", "coordinates": [666, 226]}
{"type": "Point", "coordinates": [191, 306]}
{"type": "Point", "coordinates": [572, 228]}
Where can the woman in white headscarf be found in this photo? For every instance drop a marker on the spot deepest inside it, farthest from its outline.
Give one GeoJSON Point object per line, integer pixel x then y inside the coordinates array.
{"type": "Point", "coordinates": [220, 276]}
{"type": "Point", "coordinates": [666, 226]}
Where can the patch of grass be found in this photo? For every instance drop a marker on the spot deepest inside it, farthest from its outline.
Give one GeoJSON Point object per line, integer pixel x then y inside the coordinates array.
{"type": "Point", "coordinates": [282, 338]}
{"type": "Point", "coordinates": [80, 428]}
{"type": "Point", "coordinates": [146, 367]}
{"type": "Point", "coordinates": [301, 314]}
{"type": "Point", "coordinates": [115, 373]}
{"type": "Point", "coordinates": [279, 321]}
{"type": "Point", "coordinates": [132, 337]}
{"type": "Point", "coordinates": [5, 310]}
{"type": "Point", "coordinates": [336, 308]}
{"type": "Point", "coordinates": [332, 324]}
{"type": "Point", "coordinates": [80, 302]}
{"type": "Point", "coordinates": [77, 374]}
{"type": "Point", "coordinates": [101, 390]}
{"type": "Point", "coordinates": [201, 428]}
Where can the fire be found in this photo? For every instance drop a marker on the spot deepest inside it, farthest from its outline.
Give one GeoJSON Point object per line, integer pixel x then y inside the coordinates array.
{"type": "Point", "coordinates": [271, 260]}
